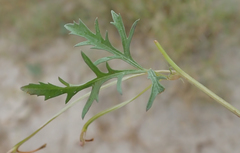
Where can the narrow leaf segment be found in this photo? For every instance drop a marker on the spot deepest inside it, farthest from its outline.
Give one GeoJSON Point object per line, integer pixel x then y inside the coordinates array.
{"type": "Point", "coordinates": [156, 89]}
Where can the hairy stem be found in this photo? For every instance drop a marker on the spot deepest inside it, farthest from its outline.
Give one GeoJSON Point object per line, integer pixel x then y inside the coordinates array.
{"type": "Point", "coordinates": [196, 83]}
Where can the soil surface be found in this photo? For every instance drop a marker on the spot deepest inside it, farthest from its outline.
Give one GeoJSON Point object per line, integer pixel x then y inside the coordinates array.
{"type": "Point", "coordinates": [182, 119]}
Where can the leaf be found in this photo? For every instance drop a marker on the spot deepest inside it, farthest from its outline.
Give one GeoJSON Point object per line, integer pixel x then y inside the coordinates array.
{"type": "Point", "coordinates": [98, 42]}
{"type": "Point", "coordinates": [95, 40]}
{"type": "Point", "coordinates": [102, 78]}
{"type": "Point", "coordinates": [118, 23]}
{"type": "Point", "coordinates": [49, 90]}
{"type": "Point", "coordinates": [156, 89]}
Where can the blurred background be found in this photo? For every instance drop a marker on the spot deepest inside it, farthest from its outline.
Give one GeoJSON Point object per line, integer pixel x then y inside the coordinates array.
{"type": "Point", "coordinates": [202, 36]}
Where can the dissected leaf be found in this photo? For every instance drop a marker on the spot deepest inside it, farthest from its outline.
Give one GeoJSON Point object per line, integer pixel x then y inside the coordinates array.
{"type": "Point", "coordinates": [118, 23]}
{"type": "Point", "coordinates": [102, 78]}
{"type": "Point", "coordinates": [98, 42]}
{"type": "Point", "coordinates": [92, 39]}
{"type": "Point", "coordinates": [49, 90]}
{"type": "Point", "coordinates": [156, 89]}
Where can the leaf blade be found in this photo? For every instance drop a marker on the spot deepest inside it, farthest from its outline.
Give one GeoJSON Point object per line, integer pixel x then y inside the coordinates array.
{"type": "Point", "coordinates": [118, 23]}
{"type": "Point", "coordinates": [50, 91]}
{"type": "Point", "coordinates": [98, 42]}
{"type": "Point", "coordinates": [156, 88]}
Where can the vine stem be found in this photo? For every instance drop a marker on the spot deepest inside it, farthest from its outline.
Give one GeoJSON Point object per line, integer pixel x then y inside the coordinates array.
{"type": "Point", "coordinates": [196, 83]}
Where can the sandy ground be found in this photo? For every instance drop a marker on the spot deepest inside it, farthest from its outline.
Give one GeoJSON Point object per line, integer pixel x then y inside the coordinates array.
{"type": "Point", "coordinates": [182, 118]}
{"type": "Point", "coordinates": [171, 126]}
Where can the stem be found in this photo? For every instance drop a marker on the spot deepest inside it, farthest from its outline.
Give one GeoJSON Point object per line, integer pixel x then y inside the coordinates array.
{"type": "Point", "coordinates": [15, 148]}
{"type": "Point", "coordinates": [84, 129]}
{"type": "Point", "coordinates": [196, 83]}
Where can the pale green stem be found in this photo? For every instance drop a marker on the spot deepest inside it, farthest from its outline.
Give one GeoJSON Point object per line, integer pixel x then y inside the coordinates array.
{"type": "Point", "coordinates": [196, 83]}
{"type": "Point", "coordinates": [84, 129]}
{"type": "Point", "coordinates": [15, 148]}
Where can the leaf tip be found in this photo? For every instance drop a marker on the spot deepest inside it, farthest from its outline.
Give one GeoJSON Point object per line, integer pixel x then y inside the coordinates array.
{"type": "Point", "coordinates": [66, 25]}
{"type": "Point", "coordinates": [69, 25]}
{"type": "Point", "coordinates": [22, 88]}
{"type": "Point", "coordinates": [26, 89]}
{"type": "Point", "coordinates": [113, 13]}
{"type": "Point", "coordinates": [83, 114]}
{"type": "Point", "coordinates": [120, 91]}
{"type": "Point", "coordinates": [63, 82]}
{"type": "Point", "coordinates": [67, 100]}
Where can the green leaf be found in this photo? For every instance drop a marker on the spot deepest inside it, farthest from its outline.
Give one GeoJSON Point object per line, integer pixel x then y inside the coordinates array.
{"type": "Point", "coordinates": [92, 39]}
{"type": "Point", "coordinates": [49, 90]}
{"type": "Point", "coordinates": [98, 42]}
{"type": "Point", "coordinates": [102, 78]}
{"type": "Point", "coordinates": [156, 89]}
{"type": "Point", "coordinates": [118, 23]}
